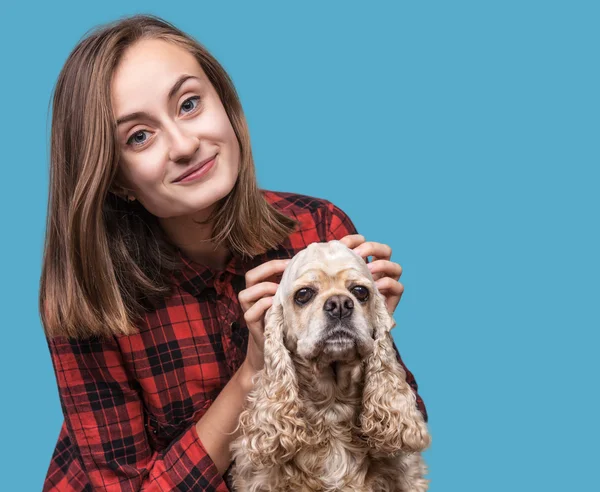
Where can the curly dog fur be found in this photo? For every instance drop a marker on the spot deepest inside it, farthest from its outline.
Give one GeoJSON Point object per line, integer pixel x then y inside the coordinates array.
{"type": "Point", "coordinates": [328, 415]}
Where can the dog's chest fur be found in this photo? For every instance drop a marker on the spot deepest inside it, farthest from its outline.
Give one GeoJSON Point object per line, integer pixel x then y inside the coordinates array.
{"type": "Point", "coordinates": [334, 456]}
{"type": "Point", "coordinates": [337, 456]}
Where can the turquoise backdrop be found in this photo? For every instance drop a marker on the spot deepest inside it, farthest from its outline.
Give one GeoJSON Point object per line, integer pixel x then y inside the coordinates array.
{"type": "Point", "coordinates": [464, 134]}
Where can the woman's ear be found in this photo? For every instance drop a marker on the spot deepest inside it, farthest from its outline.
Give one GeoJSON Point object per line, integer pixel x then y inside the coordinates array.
{"type": "Point", "coordinates": [390, 419]}
{"type": "Point", "coordinates": [123, 195]}
{"type": "Point", "coordinates": [271, 426]}
{"type": "Point", "coordinates": [120, 188]}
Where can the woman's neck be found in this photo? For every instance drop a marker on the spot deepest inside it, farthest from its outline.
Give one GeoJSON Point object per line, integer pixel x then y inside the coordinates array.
{"type": "Point", "coordinates": [214, 258]}
{"type": "Point", "coordinates": [192, 239]}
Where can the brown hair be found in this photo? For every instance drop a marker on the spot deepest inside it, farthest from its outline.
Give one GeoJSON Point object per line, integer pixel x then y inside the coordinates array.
{"type": "Point", "coordinates": [105, 259]}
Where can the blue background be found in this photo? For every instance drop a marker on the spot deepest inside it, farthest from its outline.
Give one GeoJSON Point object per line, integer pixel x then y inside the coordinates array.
{"type": "Point", "coordinates": [463, 134]}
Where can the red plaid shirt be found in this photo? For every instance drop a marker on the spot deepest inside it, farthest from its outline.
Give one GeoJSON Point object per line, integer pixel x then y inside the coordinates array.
{"type": "Point", "coordinates": [131, 403]}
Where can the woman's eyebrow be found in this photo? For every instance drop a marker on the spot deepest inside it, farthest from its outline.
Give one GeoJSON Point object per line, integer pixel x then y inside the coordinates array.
{"type": "Point", "coordinates": [172, 92]}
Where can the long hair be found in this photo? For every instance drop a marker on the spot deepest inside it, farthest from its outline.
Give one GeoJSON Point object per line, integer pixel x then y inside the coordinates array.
{"type": "Point", "coordinates": [106, 260]}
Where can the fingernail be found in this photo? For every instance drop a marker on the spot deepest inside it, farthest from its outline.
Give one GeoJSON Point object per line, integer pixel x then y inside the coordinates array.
{"type": "Point", "coordinates": [370, 266]}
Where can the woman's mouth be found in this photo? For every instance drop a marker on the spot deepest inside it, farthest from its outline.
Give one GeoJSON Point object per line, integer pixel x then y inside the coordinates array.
{"type": "Point", "coordinates": [199, 171]}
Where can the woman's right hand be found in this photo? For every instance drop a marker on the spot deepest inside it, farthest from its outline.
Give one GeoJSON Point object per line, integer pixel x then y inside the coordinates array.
{"type": "Point", "coordinates": [255, 300]}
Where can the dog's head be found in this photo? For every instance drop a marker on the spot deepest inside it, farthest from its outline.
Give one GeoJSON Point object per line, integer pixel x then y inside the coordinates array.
{"type": "Point", "coordinates": [329, 304]}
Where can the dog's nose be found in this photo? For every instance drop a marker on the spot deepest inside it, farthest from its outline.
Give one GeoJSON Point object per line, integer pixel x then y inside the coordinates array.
{"type": "Point", "coordinates": [339, 306]}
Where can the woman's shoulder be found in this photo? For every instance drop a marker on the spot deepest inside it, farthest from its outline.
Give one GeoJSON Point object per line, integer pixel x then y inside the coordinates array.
{"type": "Point", "coordinates": [318, 217]}
{"type": "Point", "coordinates": [297, 203]}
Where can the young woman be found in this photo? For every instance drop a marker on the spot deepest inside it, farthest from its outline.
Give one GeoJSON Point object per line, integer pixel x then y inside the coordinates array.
{"type": "Point", "coordinates": [161, 257]}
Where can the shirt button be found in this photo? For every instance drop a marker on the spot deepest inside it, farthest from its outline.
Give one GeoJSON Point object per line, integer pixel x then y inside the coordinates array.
{"type": "Point", "coordinates": [234, 326]}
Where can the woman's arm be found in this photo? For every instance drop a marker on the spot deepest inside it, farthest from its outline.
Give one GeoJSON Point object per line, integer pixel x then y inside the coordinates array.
{"type": "Point", "coordinates": [105, 418]}
{"type": "Point", "coordinates": [216, 428]}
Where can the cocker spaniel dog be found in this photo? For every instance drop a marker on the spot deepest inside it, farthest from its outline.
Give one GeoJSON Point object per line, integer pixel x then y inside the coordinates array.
{"type": "Point", "coordinates": [331, 410]}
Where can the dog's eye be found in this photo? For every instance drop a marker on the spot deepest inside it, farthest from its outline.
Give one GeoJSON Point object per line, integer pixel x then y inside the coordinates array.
{"type": "Point", "coordinates": [304, 295]}
{"type": "Point", "coordinates": [361, 293]}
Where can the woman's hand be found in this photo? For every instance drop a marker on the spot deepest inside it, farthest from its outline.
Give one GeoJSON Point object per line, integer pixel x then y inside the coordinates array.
{"type": "Point", "coordinates": [385, 273]}
{"type": "Point", "coordinates": [255, 299]}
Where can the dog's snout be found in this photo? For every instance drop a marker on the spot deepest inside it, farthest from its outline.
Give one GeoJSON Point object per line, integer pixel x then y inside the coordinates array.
{"type": "Point", "coordinates": [339, 306]}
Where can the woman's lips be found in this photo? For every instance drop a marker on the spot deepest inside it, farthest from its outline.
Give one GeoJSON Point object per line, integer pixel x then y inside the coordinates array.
{"type": "Point", "coordinates": [197, 172]}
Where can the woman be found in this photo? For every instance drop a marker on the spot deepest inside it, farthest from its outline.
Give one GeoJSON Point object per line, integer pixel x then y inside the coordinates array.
{"type": "Point", "coordinates": [161, 256]}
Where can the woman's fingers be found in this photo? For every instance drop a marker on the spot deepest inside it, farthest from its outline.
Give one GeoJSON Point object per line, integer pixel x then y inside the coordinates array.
{"type": "Point", "coordinates": [255, 301]}
{"type": "Point", "coordinates": [384, 268]}
{"type": "Point", "coordinates": [352, 240]}
{"type": "Point", "coordinates": [392, 290]}
{"type": "Point", "coordinates": [262, 283]}
{"type": "Point", "coordinates": [254, 318]}
{"type": "Point", "coordinates": [258, 309]}
{"type": "Point", "coordinates": [249, 296]}
{"type": "Point", "coordinates": [265, 271]}
{"type": "Point", "coordinates": [389, 286]}
{"type": "Point", "coordinates": [378, 251]}
{"type": "Point", "coordinates": [385, 272]}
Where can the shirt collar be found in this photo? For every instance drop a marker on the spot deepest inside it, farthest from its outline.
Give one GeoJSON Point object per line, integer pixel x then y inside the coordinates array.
{"type": "Point", "coordinates": [195, 277]}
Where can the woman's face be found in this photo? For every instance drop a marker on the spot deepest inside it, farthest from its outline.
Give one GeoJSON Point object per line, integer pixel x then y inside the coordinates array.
{"type": "Point", "coordinates": [170, 119]}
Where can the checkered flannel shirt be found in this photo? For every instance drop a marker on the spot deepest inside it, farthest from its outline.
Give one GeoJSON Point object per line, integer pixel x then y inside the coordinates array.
{"type": "Point", "coordinates": [130, 403]}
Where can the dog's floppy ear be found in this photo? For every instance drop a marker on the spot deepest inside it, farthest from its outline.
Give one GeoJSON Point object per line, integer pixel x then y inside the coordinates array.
{"type": "Point", "coordinates": [271, 425]}
{"type": "Point", "coordinates": [390, 419]}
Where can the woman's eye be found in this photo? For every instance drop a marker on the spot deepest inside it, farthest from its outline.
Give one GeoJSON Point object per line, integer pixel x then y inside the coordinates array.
{"type": "Point", "coordinates": [303, 295]}
{"type": "Point", "coordinates": [361, 293]}
{"type": "Point", "coordinates": [137, 137]}
{"type": "Point", "coordinates": [188, 106]}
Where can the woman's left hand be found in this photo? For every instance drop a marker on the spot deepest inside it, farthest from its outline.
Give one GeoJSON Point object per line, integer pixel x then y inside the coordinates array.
{"type": "Point", "coordinates": [385, 273]}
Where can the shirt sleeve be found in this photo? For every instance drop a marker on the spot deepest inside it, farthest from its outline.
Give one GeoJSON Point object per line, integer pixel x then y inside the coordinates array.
{"type": "Point", "coordinates": [105, 419]}
{"type": "Point", "coordinates": [338, 225]}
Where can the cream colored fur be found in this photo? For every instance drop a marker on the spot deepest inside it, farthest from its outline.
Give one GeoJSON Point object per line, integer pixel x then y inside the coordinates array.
{"type": "Point", "coordinates": [327, 416]}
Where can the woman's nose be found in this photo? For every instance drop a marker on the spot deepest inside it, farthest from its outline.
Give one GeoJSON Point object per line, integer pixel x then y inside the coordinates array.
{"type": "Point", "coordinates": [183, 145]}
